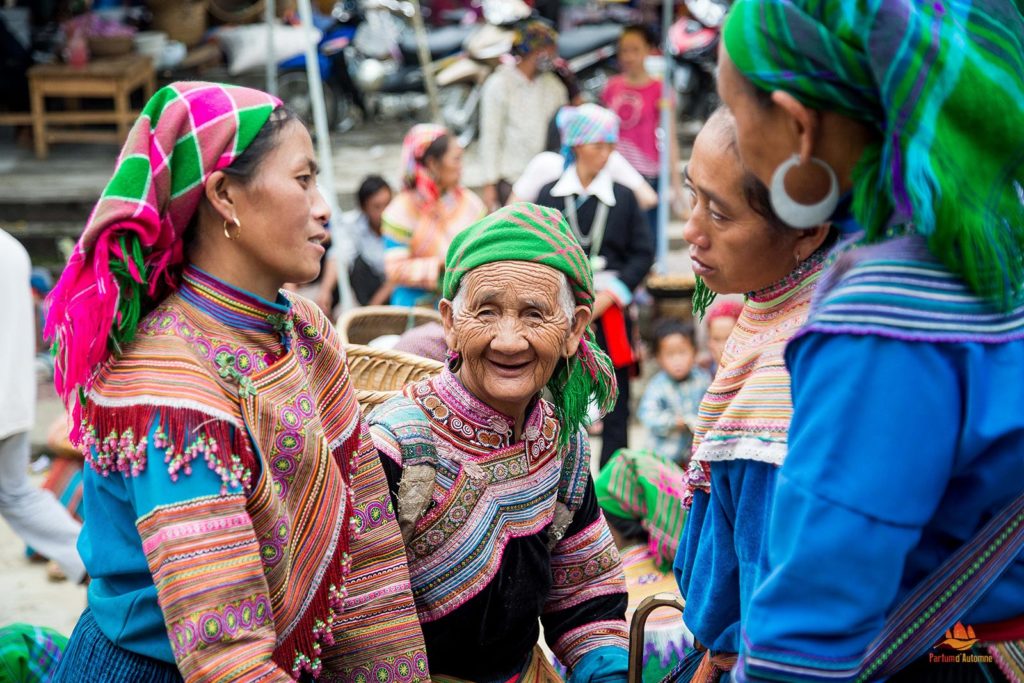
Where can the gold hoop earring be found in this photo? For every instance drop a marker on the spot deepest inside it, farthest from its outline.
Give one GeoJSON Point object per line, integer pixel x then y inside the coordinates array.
{"type": "Point", "coordinates": [227, 232]}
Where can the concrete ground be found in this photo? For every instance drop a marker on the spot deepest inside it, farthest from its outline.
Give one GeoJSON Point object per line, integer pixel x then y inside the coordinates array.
{"type": "Point", "coordinates": [28, 595]}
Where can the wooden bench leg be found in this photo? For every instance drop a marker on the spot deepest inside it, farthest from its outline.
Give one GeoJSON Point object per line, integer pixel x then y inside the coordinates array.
{"type": "Point", "coordinates": [122, 109]}
{"type": "Point", "coordinates": [39, 122]}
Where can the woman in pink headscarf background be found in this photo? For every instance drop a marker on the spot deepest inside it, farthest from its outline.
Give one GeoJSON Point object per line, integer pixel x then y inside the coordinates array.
{"type": "Point", "coordinates": [421, 220]}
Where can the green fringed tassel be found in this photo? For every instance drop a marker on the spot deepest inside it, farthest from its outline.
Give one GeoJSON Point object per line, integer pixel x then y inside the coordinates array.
{"type": "Point", "coordinates": [573, 387]}
{"type": "Point", "coordinates": [702, 299]}
{"type": "Point", "coordinates": [132, 291]}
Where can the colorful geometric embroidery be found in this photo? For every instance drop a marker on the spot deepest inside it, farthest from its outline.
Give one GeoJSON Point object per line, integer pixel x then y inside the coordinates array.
{"type": "Point", "coordinates": [488, 488]}
{"type": "Point", "coordinates": [898, 289]}
{"type": "Point", "coordinates": [287, 545]}
{"type": "Point", "coordinates": [573, 644]}
{"type": "Point", "coordinates": [217, 625]}
{"type": "Point", "coordinates": [746, 411]}
{"type": "Point", "coordinates": [584, 566]}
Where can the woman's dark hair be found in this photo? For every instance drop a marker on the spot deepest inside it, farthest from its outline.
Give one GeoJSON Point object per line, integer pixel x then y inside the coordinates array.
{"type": "Point", "coordinates": [245, 167]}
{"type": "Point", "coordinates": [754, 191]}
{"type": "Point", "coordinates": [642, 31]}
{"type": "Point", "coordinates": [433, 152]}
{"type": "Point", "coordinates": [247, 164]}
{"type": "Point", "coordinates": [371, 185]}
{"type": "Point", "coordinates": [665, 328]}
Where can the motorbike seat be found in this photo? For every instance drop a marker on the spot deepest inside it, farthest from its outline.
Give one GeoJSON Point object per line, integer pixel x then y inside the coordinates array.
{"type": "Point", "coordinates": [441, 42]}
{"type": "Point", "coordinates": [583, 39]}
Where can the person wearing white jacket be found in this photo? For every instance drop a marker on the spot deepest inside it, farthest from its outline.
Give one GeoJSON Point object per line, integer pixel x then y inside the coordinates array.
{"type": "Point", "coordinates": [34, 514]}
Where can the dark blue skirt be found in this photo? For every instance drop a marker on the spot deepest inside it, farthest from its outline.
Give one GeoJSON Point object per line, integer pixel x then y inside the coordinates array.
{"type": "Point", "coordinates": [91, 656]}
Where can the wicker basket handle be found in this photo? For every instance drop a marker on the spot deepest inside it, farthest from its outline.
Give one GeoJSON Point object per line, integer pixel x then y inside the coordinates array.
{"type": "Point", "coordinates": [636, 630]}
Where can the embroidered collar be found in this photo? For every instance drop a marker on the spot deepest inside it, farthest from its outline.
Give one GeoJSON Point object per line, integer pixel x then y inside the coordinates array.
{"type": "Point", "coordinates": [480, 416]}
{"type": "Point", "coordinates": [235, 307]}
{"type": "Point", "coordinates": [601, 186]}
{"type": "Point", "coordinates": [780, 291]}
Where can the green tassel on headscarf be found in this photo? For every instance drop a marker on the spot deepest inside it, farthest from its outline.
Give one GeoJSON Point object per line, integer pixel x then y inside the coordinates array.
{"type": "Point", "coordinates": [702, 298]}
{"type": "Point", "coordinates": [536, 234]}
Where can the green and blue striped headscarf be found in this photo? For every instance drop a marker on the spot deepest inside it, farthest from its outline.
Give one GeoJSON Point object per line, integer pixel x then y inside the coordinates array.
{"type": "Point", "coordinates": [943, 82]}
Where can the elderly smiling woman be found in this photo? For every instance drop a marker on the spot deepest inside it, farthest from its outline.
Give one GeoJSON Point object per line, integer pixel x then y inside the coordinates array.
{"type": "Point", "coordinates": [492, 481]}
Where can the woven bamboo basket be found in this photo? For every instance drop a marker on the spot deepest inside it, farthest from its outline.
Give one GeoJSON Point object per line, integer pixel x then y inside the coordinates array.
{"type": "Point", "coordinates": [182, 21]}
{"type": "Point", "coordinates": [379, 374]}
{"type": "Point", "coordinates": [363, 325]}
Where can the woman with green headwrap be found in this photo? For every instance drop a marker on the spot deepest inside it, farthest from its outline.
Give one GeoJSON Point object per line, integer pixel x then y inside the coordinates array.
{"type": "Point", "coordinates": [492, 481]}
{"type": "Point", "coordinates": [897, 511]}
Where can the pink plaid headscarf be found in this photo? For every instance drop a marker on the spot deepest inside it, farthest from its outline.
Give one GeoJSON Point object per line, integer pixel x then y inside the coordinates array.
{"type": "Point", "coordinates": [131, 250]}
{"type": "Point", "coordinates": [414, 173]}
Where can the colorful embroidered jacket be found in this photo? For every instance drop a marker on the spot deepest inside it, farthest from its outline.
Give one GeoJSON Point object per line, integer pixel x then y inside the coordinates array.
{"type": "Point", "coordinates": [906, 439]}
{"type": "Point", "coordinates": [739, 442]}
{"type": "Point", "coordinates": [238, 522]}
{"type": "Point", "coordinates": [483, 558]}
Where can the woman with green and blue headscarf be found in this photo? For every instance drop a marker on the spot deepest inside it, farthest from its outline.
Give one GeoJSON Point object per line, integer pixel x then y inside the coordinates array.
{"type": "Point", "coordinates": [897, 511]}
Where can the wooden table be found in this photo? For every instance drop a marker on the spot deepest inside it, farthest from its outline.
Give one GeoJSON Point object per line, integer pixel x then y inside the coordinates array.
{"type": "Point", "coordinates": [114, 78]}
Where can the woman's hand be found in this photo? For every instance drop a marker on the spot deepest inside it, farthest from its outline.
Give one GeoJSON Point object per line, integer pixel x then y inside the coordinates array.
{"type": "Point", "coordinates": [602, 302]}
{"type": "Point", "coordinates": [490, 197]}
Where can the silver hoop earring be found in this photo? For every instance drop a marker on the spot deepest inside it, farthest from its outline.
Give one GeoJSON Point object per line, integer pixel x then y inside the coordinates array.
{"type": "Point", "coordinates": [799, 215]}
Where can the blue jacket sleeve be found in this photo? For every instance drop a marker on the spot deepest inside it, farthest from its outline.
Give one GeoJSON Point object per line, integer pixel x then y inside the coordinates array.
{"type": "Point", "coordinates": [603, 665]}
{"type": "Point", "coordinates": [871, 450]}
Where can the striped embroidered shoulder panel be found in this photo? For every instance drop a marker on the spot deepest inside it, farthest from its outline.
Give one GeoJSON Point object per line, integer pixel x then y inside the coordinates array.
{"type": "Point", "coordinates": [897, 289]}
{"type": "Point", "coordinates": [488, 489]}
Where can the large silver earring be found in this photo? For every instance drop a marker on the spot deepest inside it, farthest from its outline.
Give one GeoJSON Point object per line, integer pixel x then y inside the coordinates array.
{"type": "Point", "coordinates": [793, 213]}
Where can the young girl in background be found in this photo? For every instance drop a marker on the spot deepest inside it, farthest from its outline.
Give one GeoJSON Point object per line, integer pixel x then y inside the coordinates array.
{"type": "Point", "coordinates": [635, 96]}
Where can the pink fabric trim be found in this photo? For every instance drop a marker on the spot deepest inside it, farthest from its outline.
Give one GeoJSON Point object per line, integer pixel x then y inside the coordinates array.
{"type": "Point", "coordinates": [177, 531]}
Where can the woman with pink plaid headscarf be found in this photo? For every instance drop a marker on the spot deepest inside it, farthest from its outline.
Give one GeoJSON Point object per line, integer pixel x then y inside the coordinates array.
{"type": "Point", "coordinates": [238, 523]}
{"type": "Point", "coordinates": [422, 219]}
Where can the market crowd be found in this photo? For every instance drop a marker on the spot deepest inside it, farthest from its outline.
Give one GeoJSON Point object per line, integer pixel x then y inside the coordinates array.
{"type": "Point", "coordinates": [827, 462]}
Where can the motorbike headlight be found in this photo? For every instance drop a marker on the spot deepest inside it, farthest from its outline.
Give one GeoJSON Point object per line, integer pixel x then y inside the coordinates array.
{"type": "Point", "coordinates": [370, 74]}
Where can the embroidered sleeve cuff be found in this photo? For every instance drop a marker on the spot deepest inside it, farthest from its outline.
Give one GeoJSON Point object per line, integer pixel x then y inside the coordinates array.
{"type": "Point", "coordinates": [574, 645]}
{"type": "Point", "coordinates": [205, 561]}
{"type": "Point", "coordinates": [584, 566]}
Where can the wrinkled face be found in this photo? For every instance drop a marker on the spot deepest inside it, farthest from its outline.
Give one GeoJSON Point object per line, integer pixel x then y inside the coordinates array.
{"type": "Point", "coordinates": [447, 170]}
{"type": "Point", "coordinates": [676, 355]}
{"type": "Point", "coordinates": [719, 330]}
{"type": "Point", "coordinates": [764, 142]}
{"type": "Point", "coordinates": [632, 51]}
{"type": "Point", "coordinates": [511, 332]}
{"type": "Point", "coordinates": [282, 213]}
{"type": "Point", "coordinates": [591, 157]}
{"type": "Point", "coordinates": [375, 205]}
{"type": "Point", "coordinates": [732, 247]}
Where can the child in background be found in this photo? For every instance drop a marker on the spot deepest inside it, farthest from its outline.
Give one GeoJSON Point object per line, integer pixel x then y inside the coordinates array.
{"type": "Point", "coordinates": [720, 320]}
{"type": "Point", "coordinates": [668, 408]}
{"type": "Point", "coordinates": [635, 96]}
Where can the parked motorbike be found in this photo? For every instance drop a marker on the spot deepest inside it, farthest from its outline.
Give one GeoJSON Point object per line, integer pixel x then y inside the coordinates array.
{"type": "Point", "coordinates": [693, 47]}
{"type": "Point", "coordinates": [384, 56]}
{"type": "Point", "coordinates": [341, 95]}
{"type": "Point", "coordinates": [589, 52]}
{"type": "Point", "coordinates": [461, 82]}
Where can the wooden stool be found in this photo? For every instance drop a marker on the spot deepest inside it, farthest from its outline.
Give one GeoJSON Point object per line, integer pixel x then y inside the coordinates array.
{"type": "Point", "coordinates": [114, 78]}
